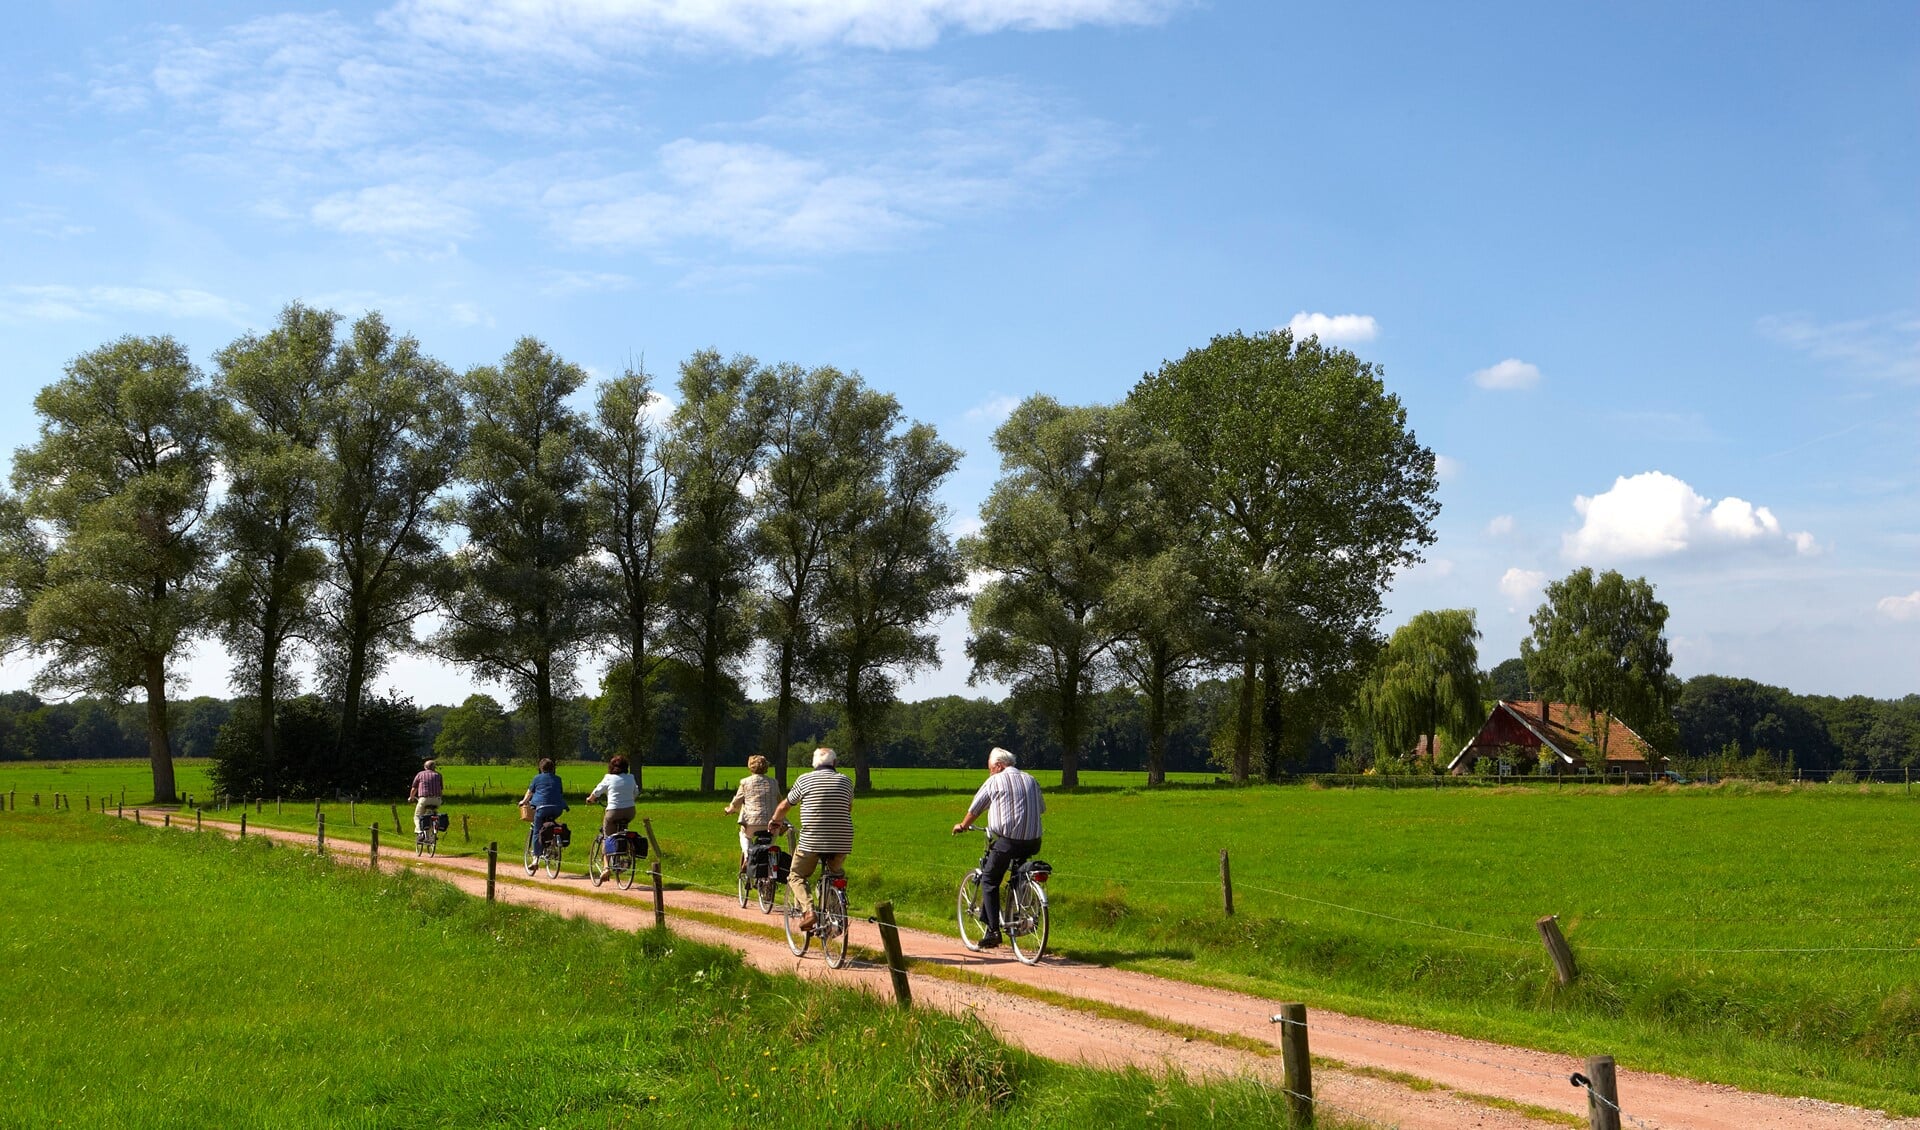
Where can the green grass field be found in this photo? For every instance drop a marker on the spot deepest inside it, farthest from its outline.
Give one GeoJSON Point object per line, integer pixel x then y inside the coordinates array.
{"type": "Point", "coordinates": [165, 979]}
{"type": "Point", "coordinates": [1758, 936]}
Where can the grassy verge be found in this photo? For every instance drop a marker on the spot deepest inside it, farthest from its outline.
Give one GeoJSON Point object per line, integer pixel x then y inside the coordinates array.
{"type": "Point", "coordinates": [164, 979]}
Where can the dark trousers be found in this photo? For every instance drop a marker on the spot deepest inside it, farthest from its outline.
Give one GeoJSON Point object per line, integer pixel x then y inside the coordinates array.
{"type": "Point", "coordinates": [541, 815]}
{"type": "Point", "coordinates": [993, 870]}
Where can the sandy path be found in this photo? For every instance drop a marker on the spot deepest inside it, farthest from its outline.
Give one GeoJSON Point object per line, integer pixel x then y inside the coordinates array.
{"type": "Point", "coordinates": [1519, 1075]}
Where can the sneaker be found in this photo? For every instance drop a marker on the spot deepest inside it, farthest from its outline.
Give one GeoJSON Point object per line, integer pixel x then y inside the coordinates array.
{"type": "Point", "coordinates": [990, 939]}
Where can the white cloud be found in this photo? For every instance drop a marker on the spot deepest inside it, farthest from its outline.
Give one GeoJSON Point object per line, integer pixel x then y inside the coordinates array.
{"type": "Point", "coordinates": [1653, 514]}
{"type": "Point", "coordinates": [1885, 348]}
{"type": "Point", "coordinates": [559, 282]}
{"type": "Point", "coordinates": [1519, 586]}
{"type": "Point", "coordinates": [72, 303]}
{"type": "Point", "coordinates": [1334, 329]}
{"type": "Point", "coordinates": [1901, 607]}
{"type": "Point", "coordinates": [587, 29]}
{"type": "Point", "coordinates": [396, 210]}
{"type": "Point", "coordinates": [1501, 526]}
{"type": "Point", "coordinates": [1512, 373]}
{"type": "Point", "coordinates": [994, 410]}
{"type": "Point", "coordinates": [1446, 468]}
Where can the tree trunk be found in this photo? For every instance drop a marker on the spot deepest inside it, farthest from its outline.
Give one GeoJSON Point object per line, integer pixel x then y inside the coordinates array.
{"type": "Point", "coordinates": [159, 746]}
{"type": "Point", "coordinates": [783, 715]}
{"type": "Point", "coordinates": [636, 704]}
{"type": "Point", "coordinates": [545, 738]}
{"type": "Point", "coordinates": [1243, 721]}
{"type": "Point", "coordinates": [856, 723]}
{"type": "Point", "coordinates": [1157, 717]}
{"type": "Point", "coordinates": [1070, 722]}
{"type": "Point", "coordinates": [269, 673]}
{"type": "Point", "coordinates": [1271, 705]}
{"type": "Point", "coordinates": [710, 711]}
{"type": "Point", "coordinates": [354, 685]}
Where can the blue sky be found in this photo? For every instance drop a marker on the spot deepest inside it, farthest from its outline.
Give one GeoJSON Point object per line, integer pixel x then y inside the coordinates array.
{"type": "Point", "coordinates": [1644, 275]}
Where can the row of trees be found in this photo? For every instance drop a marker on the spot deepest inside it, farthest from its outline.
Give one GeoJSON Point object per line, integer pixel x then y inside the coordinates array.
{"type": "Point", "coordinates": [302, 498]}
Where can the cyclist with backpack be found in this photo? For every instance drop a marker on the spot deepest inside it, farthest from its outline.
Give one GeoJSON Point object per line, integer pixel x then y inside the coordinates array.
{"type": "Point", "coordinates": [1013, 804]}
{"type": "Point", "coordinates": [547, 799]}
{"type": "Point", "coordinates": [426, 792]}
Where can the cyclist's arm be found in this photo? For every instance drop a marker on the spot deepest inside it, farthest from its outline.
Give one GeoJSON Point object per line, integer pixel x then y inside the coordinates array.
{"type": "Point", "coordinates": [779, 813]}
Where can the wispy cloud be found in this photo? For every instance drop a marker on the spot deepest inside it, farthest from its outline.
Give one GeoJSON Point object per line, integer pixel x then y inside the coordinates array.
{"type": "Point", "coordinates": [72, 303]}
{"type": "Point", "coordinates": [1446, 468]}
{"type": "Point", "coordinates": [1881, 348]}
{"type": "Point", "coordinates": [585, 30]}
{"type": "Point", "coordinates": [1901, 607]}
{"type": "Point", "coordinates": [1334, 329]}
{"type": "Point", "coordinates": [1501, 526]}
{"type": "Point", "coordinates": [1654, 514]}
{"type": "Point", "coordinates": [1507, 375]}
{"type": "Point", "coordinates": [1520, 585]}
{"type": "Point", "coordinates": [994, 410]}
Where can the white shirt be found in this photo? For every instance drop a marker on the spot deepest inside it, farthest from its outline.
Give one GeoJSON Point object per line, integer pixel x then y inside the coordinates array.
{"type": "Point", "coordinates": [620, 789]}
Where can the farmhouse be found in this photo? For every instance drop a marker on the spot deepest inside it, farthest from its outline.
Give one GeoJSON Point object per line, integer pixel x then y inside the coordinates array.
{"type": "Point", "coordinates": [1520, 731]}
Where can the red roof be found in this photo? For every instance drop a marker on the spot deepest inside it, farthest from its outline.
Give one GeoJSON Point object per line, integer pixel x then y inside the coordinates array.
{"type": "Point", "coordinates": [1571, 731]}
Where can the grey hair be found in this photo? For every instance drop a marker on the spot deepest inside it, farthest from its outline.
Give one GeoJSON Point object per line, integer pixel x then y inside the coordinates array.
{"type": "Point", "coordinates": [1002, 757]}
{"type": "Point", "coordinates": [824, 758]}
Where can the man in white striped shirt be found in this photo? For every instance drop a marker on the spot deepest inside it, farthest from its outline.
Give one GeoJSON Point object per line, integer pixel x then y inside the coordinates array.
{"type": "Point", "coordinates": [1012, 801]}
{"type": "Point", "coordinates": [825, 800]}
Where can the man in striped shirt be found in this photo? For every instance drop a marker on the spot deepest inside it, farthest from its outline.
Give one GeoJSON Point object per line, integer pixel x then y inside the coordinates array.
{"type": "Point", "coordinates": [825, 800]}
{"type": "Point", "coordinates": [1013, 805]}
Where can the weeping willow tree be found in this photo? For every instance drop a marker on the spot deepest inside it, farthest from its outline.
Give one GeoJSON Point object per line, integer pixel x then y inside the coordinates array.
{"type": "Point", "coordinates": [1426, 682]}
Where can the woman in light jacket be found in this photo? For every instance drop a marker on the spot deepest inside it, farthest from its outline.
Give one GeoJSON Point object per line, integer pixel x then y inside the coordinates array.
{"type": "Point", "coordinates": [754, 800]}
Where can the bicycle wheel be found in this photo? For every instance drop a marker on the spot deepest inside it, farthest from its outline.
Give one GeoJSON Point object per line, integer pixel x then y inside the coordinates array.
{"type": "Point", "coordinates": [797, 939]}
{"type": "Point", "coordinates": [554, 851]}
{"type": "Point", "coordinates": [1028, 931]}
{"type": "Point", "coordinates": [597, 862]}
{"type": "Point", "coordinates": [833, 926]}
{"type": "Point", "coordinates": [767, 889]}
{"type": "Point", "coordinates": [433, 841]}
{"type": "Point", "coordinates": [742, 884]}
{"type": "Point", "coordinates": [533, 855]}
{"type": "Point", "coordinates": [420, 841]}
{"type": "Point", "coordinates": [971, 911]}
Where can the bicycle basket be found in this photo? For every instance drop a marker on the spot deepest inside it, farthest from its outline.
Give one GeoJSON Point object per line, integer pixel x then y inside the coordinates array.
{"type": "Point", "coordinates": [1039, 870]}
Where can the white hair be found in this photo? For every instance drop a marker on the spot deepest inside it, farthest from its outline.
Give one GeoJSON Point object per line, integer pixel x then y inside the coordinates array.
{"type": "Point", "coordinates": [824, 758]}
{"type": "Point", "coordinates": [1001, 757]}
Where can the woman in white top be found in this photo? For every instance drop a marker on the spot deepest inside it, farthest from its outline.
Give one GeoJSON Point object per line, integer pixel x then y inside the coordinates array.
{"type": "Point", "coordinates": [620, 789]}
{"type": "Point", "coordinates": [754, 801]}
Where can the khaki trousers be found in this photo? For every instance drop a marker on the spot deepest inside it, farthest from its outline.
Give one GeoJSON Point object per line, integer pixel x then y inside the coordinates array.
{"type": "Point", "coordinates": [804, 862]}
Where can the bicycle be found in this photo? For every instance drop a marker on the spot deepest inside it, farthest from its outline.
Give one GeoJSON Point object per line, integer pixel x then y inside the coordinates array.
{"type": "Point", "coordinates": [545, 847]}
{"type": "Point", "coordinates": [622, 864]}
{"type": "Point", "coordinates": [829, 919]}
{"type": "Point", "coordinates": [1023, 913]}
{"type": "Point", "coordinates": [761, 882]}
{"type": "Point", "coordinates": [426, 833]}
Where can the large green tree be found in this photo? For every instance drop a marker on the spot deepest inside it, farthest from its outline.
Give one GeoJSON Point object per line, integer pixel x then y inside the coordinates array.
{"type": "Point", "coordinates": [892, 571]}
{"type": "Point", "coordinates": [627, 491]}
{"type": "Point", "coordinates": [280, 388]}
{"type": "Point", "coordinates": [523, 600]}
{"type": "Point", "coordinates": [719, 431]}
{"type": "Point", "coordinates": [1314, 492]}
{"type": "Point", "coordinates": [477, 732]}
{"type": "Point", "coordinates": [392, 449]}
{"type": "Point", "coordinates": [1425, 683]}
{"type": "Point", "coordinates": [1599, 642]}
{"type": "Point", "coordinates": [824, 429]}
{"type": "Point", "coordinates": [1054, 532]}
{"type": "Point", "coordinates": [108, 563]}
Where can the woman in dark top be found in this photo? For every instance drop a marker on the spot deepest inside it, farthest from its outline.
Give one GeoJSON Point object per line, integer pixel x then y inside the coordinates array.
{"type": "Point", "coordinates": [544, 794]}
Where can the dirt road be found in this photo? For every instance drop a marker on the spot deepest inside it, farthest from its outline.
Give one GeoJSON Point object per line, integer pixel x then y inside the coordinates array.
{"type": "Point", "coordinates": [1464, 1070]}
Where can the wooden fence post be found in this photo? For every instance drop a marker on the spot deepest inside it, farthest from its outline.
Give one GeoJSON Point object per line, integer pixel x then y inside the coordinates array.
{"type": "Point", "coordinates": [373, 847]}
{"type": "Point", "coordinates": [1298, 1062]}
{"type": "Point", "coordinates": [243, 825]}
{"type": "Point", "coordinates": [896, 960]}
{"type": "Point", "coordinates": [166, 819]}
{"type": "Point", "coordinates": [647, 823]}
{"type": "Point", "coordinates": [464, 837]}
{"type": "Point", "coordinates": [1226, 882]}
{"type": "Point", "coordinates": [278, 803]}
{"type": "Point", "coordinates": [136, 817]}
{"type": "Point", "coordinates": [394, 809]}
{"type": "Point", "coordinates": [89, 801]}
{"type": "Point", "coordinates": [320, 834]}
{"type": "Point", "coordinates": [659, 896]}
{"type": "Point", "coordinates": [196, 819]}
{"type": "Point", "coordinates": [1603, 1095]}
{"type": "Point", "coordinates": [1557, 948]}
{"type": "Point", "coordinates": [352, 816]}
{"type": "Point", "coordinates": [493, 865]}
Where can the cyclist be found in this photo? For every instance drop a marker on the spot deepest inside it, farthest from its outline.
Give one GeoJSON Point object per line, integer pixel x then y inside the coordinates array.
{"type": "Point", "coordinates": [621, 790]}
{"type": "Point", "coordinates": [754, 800]}
{"type": "Point", "coordinates": [825, 800]}
{"type": "Point", "coordinates": [547, 799]}
{"type": "Point", "coordinates": [1011, 798]}
{"type": "Point", "coordinates": [426, 792]}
